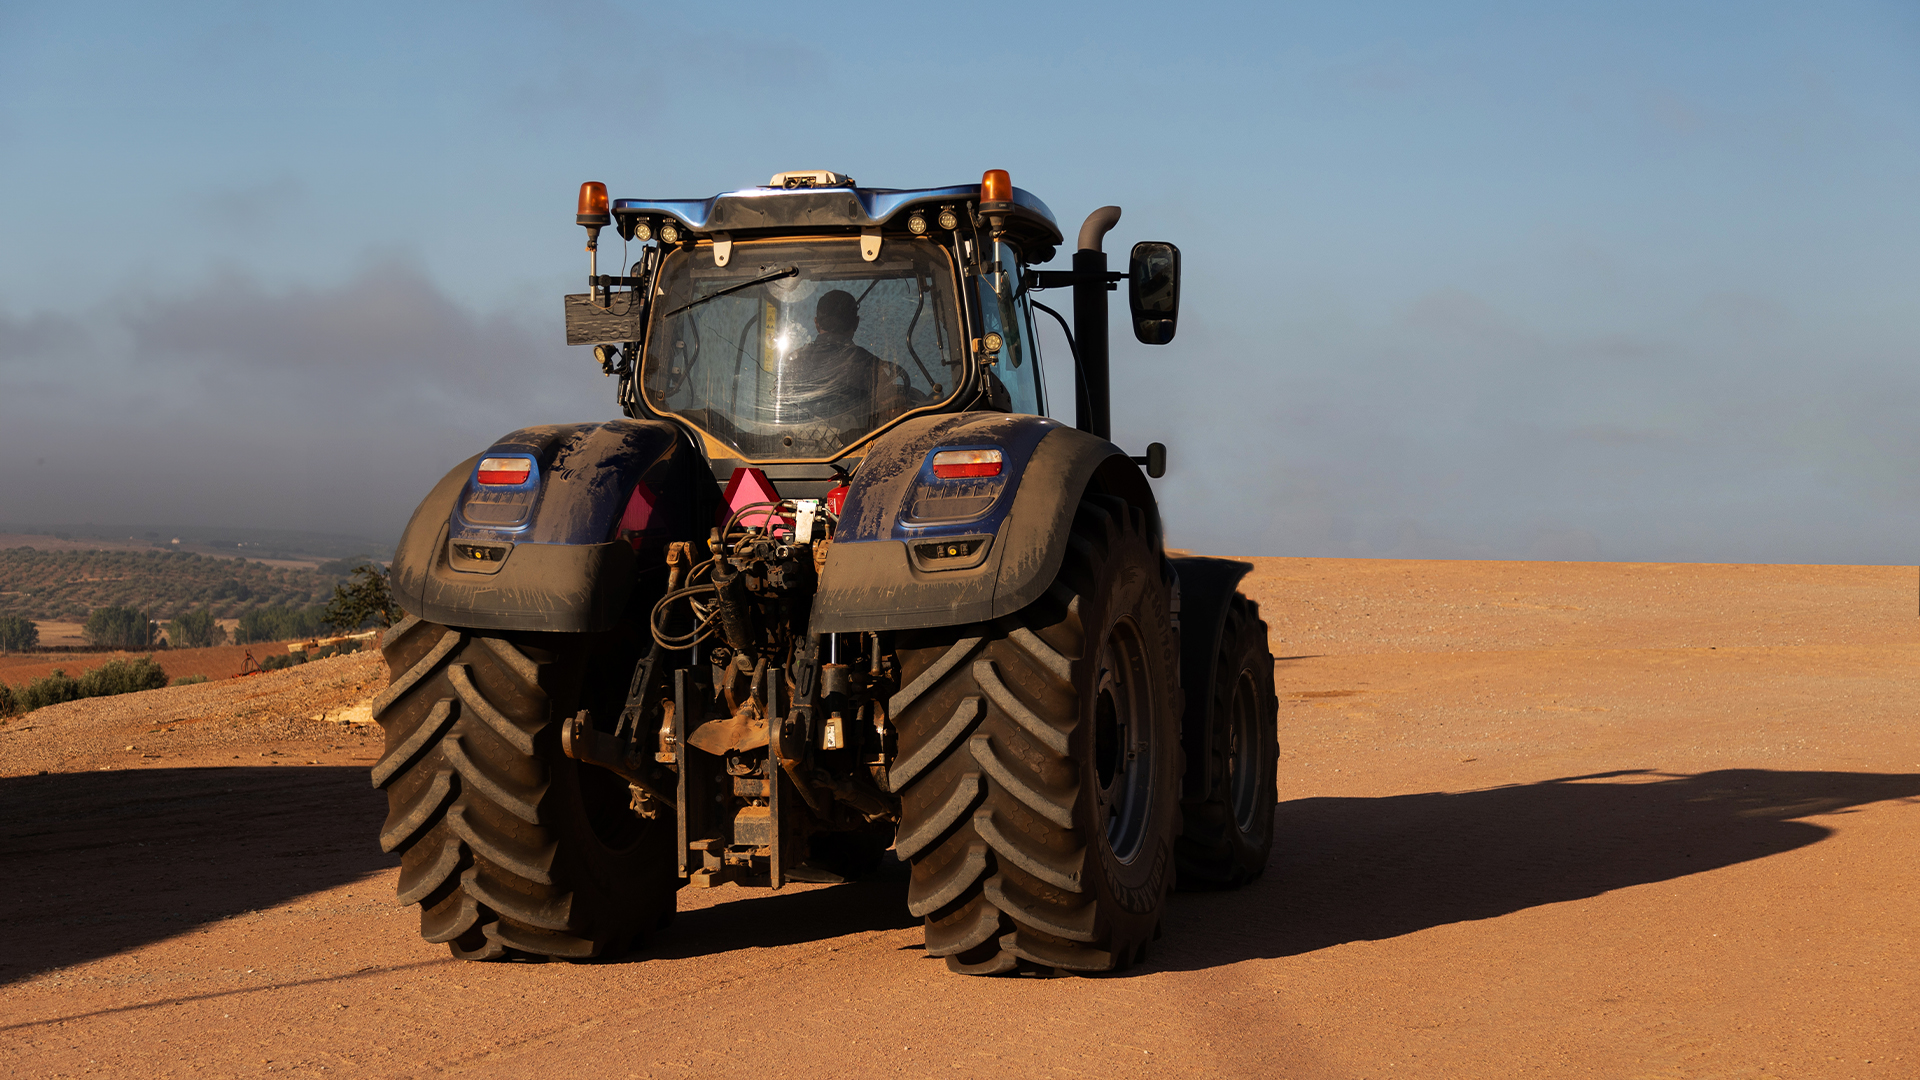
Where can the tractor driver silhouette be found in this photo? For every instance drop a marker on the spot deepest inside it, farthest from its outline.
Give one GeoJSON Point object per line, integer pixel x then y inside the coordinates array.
{"type": "Point", "coordinates": [838, 379]}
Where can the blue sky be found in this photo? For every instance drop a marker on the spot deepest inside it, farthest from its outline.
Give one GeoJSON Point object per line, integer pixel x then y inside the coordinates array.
{"type": "Point", "coordinates": [1605, 281]}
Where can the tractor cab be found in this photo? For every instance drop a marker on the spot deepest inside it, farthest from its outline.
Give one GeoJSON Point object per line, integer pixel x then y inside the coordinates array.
{"type": "Point", "coordinates": [785, 327]}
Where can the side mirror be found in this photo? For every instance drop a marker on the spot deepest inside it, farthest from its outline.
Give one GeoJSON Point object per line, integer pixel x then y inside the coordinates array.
{"type": "Point", "coordinates": [1153, 291]}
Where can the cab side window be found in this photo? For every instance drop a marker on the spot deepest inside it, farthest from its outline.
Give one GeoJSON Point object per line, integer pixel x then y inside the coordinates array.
{"type": "Point", "coordinates": [1005, 314]}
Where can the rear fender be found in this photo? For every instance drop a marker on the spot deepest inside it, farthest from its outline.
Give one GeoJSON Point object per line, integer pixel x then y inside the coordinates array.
{"type": "Point", "coordinates": [560, 552]}
{"type": "Point", "coordinates": [889, 567]}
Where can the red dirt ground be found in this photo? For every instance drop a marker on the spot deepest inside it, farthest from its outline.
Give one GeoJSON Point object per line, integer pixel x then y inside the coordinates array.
{"type": "Point", "coordinates": [217, 662]}
{"type": "Point", "coordinates": [1536, 820]}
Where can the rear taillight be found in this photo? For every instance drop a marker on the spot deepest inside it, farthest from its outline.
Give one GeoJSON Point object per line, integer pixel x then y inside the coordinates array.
{"type": "Point", "coordinates": [508, 471]}
{"type": "Point", "coordinates": [959, 464]}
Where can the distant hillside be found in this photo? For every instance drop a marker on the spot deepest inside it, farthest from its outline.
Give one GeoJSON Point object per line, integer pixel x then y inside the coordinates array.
{"type": "Point", "coordinates": [52, 585]}
{"type": "Point", "coordinates": [272, 544]}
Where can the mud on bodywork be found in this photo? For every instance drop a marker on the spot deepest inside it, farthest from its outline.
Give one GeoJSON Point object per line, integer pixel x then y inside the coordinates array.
{"type": "Point", "coordinates": [561, 551]}
{"type": "Point", "coordinates": [875, 579]}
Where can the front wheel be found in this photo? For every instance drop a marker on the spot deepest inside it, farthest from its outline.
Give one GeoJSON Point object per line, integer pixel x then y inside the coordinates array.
{"type": "Point", "coordinates": [1228, 826]}
{"type": "Point", "coordinates": [1039, 764]}
{"type": "Point", "coordinates": [509, 847]}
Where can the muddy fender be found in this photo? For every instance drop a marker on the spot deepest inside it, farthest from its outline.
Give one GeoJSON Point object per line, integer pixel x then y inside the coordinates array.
{"type": "Point", "coordinates": [559, 551]}
{"type": "Point", "coordinates": [913, 550]}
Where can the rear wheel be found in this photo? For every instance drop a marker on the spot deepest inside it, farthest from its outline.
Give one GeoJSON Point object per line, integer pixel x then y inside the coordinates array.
{"type": "Point", "coordinates": [1039, 764]}
{"type": "Point", "coordinates": [511, 848]}
{"type": "Point", "coordinates": [1227, 833]}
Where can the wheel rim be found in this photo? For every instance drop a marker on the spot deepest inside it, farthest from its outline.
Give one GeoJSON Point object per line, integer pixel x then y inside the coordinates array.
{"type": "Point", "coordinates": [1243, 750]}
{"type": "Point", "coordinates": [1123, 741]}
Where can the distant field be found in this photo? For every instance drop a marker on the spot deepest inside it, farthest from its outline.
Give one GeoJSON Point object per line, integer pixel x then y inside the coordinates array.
{"type": "Point", "coordinates": [64, 586]}
{"type": "Point", "coordinates": [218, 662]}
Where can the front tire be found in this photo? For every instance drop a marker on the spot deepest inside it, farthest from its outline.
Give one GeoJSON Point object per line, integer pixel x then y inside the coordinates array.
{"type": "Point", "coordinates": [1040, 763]}
{"type": "Point", "coordinates": [1228, 829]}
{"type": "Point", "coordinates": [510, 848]}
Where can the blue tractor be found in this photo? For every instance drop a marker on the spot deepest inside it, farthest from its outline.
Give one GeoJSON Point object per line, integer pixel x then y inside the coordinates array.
{"type": "Point", "coordinates": [834, 589]}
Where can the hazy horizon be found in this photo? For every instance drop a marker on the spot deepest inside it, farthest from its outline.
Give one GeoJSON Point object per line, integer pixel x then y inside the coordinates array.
{"type": "Point", "coordinates": [1616, 282]}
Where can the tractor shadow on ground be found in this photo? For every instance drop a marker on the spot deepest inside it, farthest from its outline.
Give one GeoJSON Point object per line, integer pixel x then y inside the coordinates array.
{"type": "Point", "coordinates": [1367, 869]}
{"type": "Point", "coordinates": [100, 862]}
{"type": "Point", "coordinates": [759, 919]}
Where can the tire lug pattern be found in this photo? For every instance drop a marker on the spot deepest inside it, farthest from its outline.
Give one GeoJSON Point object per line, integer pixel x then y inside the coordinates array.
{"type": "Point", "coordinates": [478, 706]}
{"type": "Point", "coordinates": [1003, 962]}
{"type": "Point", "coordinates": [911, 765]}
{"type": "Point", "coordinates": [404, 823]}
{"type": "Point", "coordinates": [451, 918]}
{"type": "Point", "coordinates": [1074, 926]}
{"type": "Point", "coordinates": [542, 943]}
{"type": "Point", "coordinates": [1030, 797]}
{"type": "Point", "coordinates": [384, 700]}
{"type": "Point", "coordinates": [474, 779]}
{"type": "Point", "coordinates": [1213, 851]}
{"type": "Point", "coordinates": [515, 661]}
{"type": "Point", "coordinates": [485, 807]}
{"type": "Point", "coordinates": [1011, 868]}
{"type": "Point", "coordinates": [933, 674]}
{"type": "Point", "coordinates": [421, 877]}
{"type": "Point", "coordinates": [537, 868]}
{"type": "Point", "coordinates": [926, 898]}
{"type": "Point", "coordinates": [951, 808]}
{"type": "Point", "coordinates": [552, 914]}
{"type": "Point", "coordinates": [1050, 658]}
{"type": "Point", "coordinates": [443, 714]}
{"type": "Point", "coordinates": [968, 928]}
{"type": "Point", "coordinates": [397, 631]}
{"type": "Point", "coordinates": [1066, 877]}
{"type": "Point", "coordinates": [988, 678]}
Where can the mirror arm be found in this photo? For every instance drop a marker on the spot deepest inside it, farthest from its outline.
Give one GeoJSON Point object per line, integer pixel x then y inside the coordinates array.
{"type": "Point", "coordinates": [1154, 461]}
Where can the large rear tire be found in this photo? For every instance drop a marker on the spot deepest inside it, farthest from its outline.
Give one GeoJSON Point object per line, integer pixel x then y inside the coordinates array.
{"type": "Point", "coordinates": [1039, 764]}
{"type": "Point", "coordinates": [511, 848]}
{"type": "Point", "coordinates": [1227, 832]}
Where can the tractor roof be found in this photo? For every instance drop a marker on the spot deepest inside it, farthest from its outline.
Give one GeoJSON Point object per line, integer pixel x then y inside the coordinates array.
{"type": "Point", "coordinates": [842, 206]}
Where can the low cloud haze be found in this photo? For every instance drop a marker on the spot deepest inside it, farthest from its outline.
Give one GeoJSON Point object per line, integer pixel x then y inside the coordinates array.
{"type": "Point", "coordinates": [330, 409]}
{"type": "Point", "coordinates": [1450, 430]}
{"type": "Point", "coordinates": [1454, 431]}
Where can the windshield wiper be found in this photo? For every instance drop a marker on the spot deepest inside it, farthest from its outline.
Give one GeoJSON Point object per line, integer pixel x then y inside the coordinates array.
{"type": "Point", "coordinates": [731, 289]}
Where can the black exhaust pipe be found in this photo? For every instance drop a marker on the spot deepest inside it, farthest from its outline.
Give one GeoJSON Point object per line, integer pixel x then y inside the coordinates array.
{"type": "Point", "coordinates": [1092, 412]}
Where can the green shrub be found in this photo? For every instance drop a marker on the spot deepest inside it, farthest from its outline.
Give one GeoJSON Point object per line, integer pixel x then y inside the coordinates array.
{"type": "Point", "coordinates": [17, 634]}
{"type": "Point", "coordinates": [117, 628]}
{"type": "Point", "coordinates": [275, 663]}
{"type": "Point", "coordinates": [196, 630]}
{"type": "Point", "coordinates": [122, 677]}
{"type": "Point", "coordinates": [7, 702]}
{"type": "Point", "coordinates": [48, 690]}
{"type": "Point", "coordinates": [277, 623]}
{"type": "Point", "coordinates": [343, 567]}
{"type": "Point", "coordinates": [189, 680]}
{"type": "Point", "coordinates": [363, 600]}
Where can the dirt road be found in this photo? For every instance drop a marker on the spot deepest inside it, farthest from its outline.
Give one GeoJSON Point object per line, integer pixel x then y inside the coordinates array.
{"type": "Point", "coordinates": [1536, 820]}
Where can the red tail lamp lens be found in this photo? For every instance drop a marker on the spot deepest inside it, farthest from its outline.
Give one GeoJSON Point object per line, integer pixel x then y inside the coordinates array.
{"type": "Point", "coordinates": [959, 464]}
{"type": "Point", "coordinates": [995, 186]}
{"type": "Point", "coordinates": [505, 470]}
